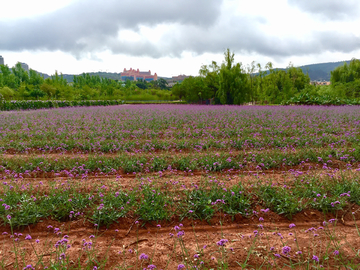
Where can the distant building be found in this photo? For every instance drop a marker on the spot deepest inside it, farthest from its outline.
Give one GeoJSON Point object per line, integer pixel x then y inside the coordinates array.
{"type": "Point", "coordinates": [320, 83]}
{"type": "Point", "coordinates": [2, 60]}
{"type": "Point", "coordinates": [134, 75]}
{"type": "Point", "coordinates": [175, 79]}
{"type": "Point", "coordinates": [25, 66]}
{"type": "Point", "coordinates": [179, 78]}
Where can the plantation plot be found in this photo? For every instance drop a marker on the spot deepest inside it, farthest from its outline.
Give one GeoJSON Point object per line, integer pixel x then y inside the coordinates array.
{"type": "Point", "coordinates": [180, 186]}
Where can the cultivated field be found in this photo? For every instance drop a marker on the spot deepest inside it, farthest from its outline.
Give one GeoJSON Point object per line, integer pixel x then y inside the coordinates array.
{"type": "Point", "coordinates": [180, 187]}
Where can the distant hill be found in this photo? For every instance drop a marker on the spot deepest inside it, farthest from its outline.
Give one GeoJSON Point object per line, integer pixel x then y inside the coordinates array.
{"type": "Point", "coordinates": [321, 72]}
{"type": "Point", "coordinates": [317, 72]}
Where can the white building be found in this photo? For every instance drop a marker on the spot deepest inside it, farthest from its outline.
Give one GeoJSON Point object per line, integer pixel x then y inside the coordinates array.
{"type": "Point", "coordinates": [25, 66]}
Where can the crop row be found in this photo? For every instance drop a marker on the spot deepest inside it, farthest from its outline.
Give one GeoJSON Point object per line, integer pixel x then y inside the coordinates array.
{"type": "Point", "coordinates": [40, 143]}
{"type": "Point", "coordinates": [324, 157]}
{"type": "Point", "coordinates": [150, 201]}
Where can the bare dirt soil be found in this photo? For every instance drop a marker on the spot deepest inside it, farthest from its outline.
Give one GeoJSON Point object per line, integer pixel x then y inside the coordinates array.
{"type": "Point", "coordinates": [122, 241]}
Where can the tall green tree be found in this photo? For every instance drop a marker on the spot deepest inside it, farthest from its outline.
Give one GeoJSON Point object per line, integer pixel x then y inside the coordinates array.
{"type": "Point", "coordinates": [233, 81]}
{"type": "Point", "coordinates": [210, 73]}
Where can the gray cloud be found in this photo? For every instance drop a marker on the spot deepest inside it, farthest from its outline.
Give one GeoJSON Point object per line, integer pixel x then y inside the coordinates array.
{"type": "Point", "coordinates": [244, 35]}
{"type": "Point", "coordinates": [330, 9]}
{"type": "Point", "coordinates": [91, 26]}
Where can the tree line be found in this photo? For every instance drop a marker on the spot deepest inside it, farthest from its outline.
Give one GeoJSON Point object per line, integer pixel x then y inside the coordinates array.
{"type": "Point", "coordinates": [225, 83]}
{"type": "Point", "coordinates": [234, 83]}
{"type": "Point", "coordinates": [18, 84]}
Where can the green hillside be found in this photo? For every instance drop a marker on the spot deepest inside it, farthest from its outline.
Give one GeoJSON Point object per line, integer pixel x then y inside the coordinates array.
{"type": "Point", "coordinates": [321, 72]}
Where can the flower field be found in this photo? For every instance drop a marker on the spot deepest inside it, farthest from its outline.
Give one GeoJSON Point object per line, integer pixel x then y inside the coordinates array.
{"type": "Point", "coordinates": [180, 187]}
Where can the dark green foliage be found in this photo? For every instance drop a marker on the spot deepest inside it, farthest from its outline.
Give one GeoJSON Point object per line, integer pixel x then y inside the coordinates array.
{"type": "Point", "coordinates": [111, 207]}
{"type": "Point", "coordinates": [237, 201]}
{"type": "Point", "coordinates": [280, 200]}
{"type": "Point", "coordinates": [153, 204]}
{"type": "Point", "coordinates": [198, 205]}
{"type": "Point", "coordinates": [59, 205]}
{"type": "Point", "coordinates": [39, 104]}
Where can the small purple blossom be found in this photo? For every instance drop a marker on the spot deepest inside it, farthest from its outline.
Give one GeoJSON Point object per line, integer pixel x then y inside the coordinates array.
{"type": "Point", "coordinates": [222, 242]}
{"type": "Point", "coordinates": [315, 258]}
{"type": "Point", "coordinates": [286, 250]}
{"type": "Point", "coordinates": [143, 256]}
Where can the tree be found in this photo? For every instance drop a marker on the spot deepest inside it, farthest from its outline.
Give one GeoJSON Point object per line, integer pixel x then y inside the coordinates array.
{"type": "Point", "coordinates": [346, 73]}
{"type": "Point", "coordinates": [211, 79]}
{"type": "Point", "coordinates": [37, 93]}
{"type": "Point", "coordinates": [21, 74]}
{"type": "Point", "coordinates": [194, 89]}
{"type": "Point", "coordinates": [48, 89]}
{"type": "Point", "coordinates": [233, 82]}
{"type": "Point", "coordinates": [250, 70]}
{"type": "Point", "coordinates": [162, 83]}
{"type": "Point", "coordinates": [7, 93]}
{"type": "Point", "coordinates": [178, 90]}
{"type": "Point", "coordinates": [141, 84]}
{"type": "Point", "coordinates": [8, 78]}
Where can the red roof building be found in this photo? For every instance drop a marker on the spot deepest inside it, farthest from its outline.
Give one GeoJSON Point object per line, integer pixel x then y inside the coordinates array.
{"type": "Point", "coordinates": [134, 75]}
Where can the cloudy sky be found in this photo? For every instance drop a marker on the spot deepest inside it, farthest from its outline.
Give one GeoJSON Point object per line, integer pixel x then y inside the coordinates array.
{"type": "Point", "coordinates": [173, 37]}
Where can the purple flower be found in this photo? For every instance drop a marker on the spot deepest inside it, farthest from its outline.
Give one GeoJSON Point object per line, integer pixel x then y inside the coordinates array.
{"type": "Point", "coordinates": [151, 266]}
{"type": "Point", "coordinates": [28, 237]}
{"type": "Point", "coordinates": [315, 258]}
{"type": "Point", "coordinates": [62, 256]}
{"type": "Point", "coordinates": [222, 242]}
{"type": "Point", "coordinates": [286, 249]}
{"type": "Point", "coordinates": [336, 252]}
{"type": "Point", "coordinates": [292, 225]}
{"type": "Point", "coordinates": [29, 266]}
{"type": "Point", "coordinates": [180, 266]}
{"type": "Point", "coordinates": [8, 217]}
{"type": "Point", "coordinates": [143, 256]}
